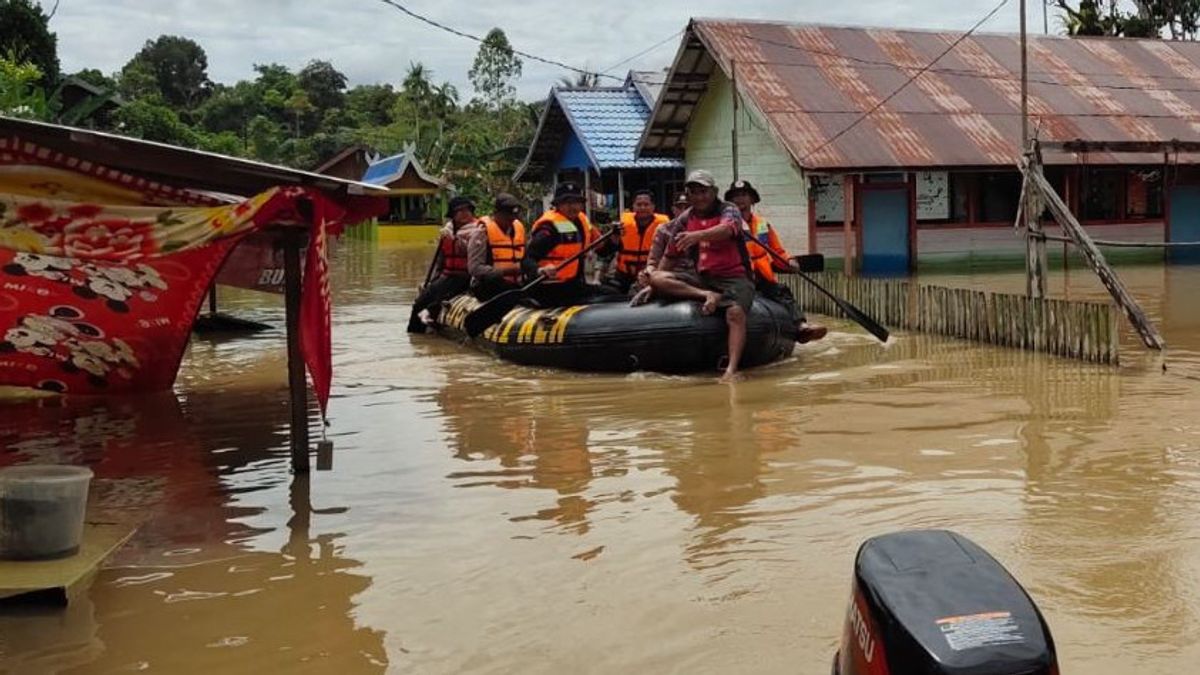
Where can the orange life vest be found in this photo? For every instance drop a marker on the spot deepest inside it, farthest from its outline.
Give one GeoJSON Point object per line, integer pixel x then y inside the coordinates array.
{"type": "Point", "coordinates": [506, 252]}
{"type": "Point", "coordinates": [572, 239]}
{"type": "Point", "coordinates": [635, 247]}
{"type": "Point", "coordinates": [760, 259]}
{"type": "Point", "coordinates": [454, 251]}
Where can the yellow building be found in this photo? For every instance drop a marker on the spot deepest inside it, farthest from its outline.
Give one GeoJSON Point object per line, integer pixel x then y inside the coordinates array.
{"type": "Point", "coordinates": [417, 200]}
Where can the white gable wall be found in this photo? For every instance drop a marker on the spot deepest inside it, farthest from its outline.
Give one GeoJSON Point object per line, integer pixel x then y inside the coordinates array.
{"type": "Point", "coordinates": [760, 160]}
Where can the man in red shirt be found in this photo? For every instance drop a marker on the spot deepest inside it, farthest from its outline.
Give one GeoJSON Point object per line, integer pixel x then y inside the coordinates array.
{"type": "Point", "coordinates": [710, 232]}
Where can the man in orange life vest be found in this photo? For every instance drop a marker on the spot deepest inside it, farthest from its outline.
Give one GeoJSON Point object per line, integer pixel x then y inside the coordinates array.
{"type": "Point", "coordinates": [495, 251]}
{"type": "Point", "coordinates": [713, 229]}
{"type": "Point", "coordinates": [764, 237]}
{"type": "Point", "coordinates": [636, 236]}
{"type": "Point", "coordinates": [449, 270]}
{"type": "Point", "coordinates": [561, 232]}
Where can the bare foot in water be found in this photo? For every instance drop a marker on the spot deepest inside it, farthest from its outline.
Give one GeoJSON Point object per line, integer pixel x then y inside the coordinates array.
{"type": "Point", "coordinates": [710, 303]}
{"type": "Point", "coordinates": [731, 377]}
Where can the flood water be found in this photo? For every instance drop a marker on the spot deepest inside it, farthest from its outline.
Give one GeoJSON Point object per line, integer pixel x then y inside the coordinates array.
{"type": "Point", "coordinates": [485, 518]}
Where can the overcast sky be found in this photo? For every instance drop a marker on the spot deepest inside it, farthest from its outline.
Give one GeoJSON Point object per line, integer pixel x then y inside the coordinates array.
{"type": "Point", "coordinates": [372, 42]}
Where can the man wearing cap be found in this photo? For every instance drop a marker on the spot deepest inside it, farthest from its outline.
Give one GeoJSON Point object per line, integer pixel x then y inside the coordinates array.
{"type": "Point", "coordinates": [762, 238]}
{"type": "Point", "coordinates": [711, 232]}
{"type": "Point", "coordinates": [496, 248]}
{"type": "Point", "coordinates": [449, 270]}
{"type": "Point", "coordinates": [560, 233]}
{"type": "Point", "coordinates": [636, 237]}
{"type": "Point", "coordinates": [680, 205]}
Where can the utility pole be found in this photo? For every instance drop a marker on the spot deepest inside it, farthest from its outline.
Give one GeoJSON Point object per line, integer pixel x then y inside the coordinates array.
{"type": "Point", "coordinates": [1046, 17]}
{"type": "Point", "coordinates": [1035, 245]}
{"type": "Point", "coordinates": [1024, 82]}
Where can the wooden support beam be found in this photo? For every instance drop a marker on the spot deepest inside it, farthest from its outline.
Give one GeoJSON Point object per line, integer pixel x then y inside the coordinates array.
{"type": "Point", "coordinates": [212, 298]}
{"type": "Point", "coordinates": [293, 241]}
{"type": "Point", "coordinates": [1091, 253]}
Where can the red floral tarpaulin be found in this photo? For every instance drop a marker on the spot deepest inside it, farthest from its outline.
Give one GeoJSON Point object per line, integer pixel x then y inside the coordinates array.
{"type": "Point", "coordinates": [102, 273]}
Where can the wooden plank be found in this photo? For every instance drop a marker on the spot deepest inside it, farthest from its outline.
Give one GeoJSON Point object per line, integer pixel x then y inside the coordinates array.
{"type": "Point", "coordinates": [56, 582]}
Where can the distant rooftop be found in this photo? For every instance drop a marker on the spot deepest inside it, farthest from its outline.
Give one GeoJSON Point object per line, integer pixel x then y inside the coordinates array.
{"type": "Point", "coordinates": [608, 121]}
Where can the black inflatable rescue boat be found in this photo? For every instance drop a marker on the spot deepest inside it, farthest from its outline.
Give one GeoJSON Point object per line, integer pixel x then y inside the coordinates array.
{"type": "Point", "coordinates": [932, 602]}
{"type": "Point", "coordinates": [614, 337]}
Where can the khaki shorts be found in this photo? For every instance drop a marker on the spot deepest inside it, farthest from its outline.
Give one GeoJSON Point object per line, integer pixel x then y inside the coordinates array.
{"type": "Point", "coordinates": [735, 290]}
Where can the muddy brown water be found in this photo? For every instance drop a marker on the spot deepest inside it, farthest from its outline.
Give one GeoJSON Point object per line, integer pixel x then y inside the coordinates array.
{"type": "Point", "coordinates": [487, 518]}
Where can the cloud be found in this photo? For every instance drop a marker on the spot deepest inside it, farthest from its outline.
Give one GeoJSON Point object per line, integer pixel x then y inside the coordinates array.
{"type": "Point", "coordinates": [372, 42]}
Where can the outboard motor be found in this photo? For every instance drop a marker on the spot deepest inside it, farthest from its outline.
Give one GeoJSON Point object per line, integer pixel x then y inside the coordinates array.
{"type": "Point", "coordinates": [932, 602]}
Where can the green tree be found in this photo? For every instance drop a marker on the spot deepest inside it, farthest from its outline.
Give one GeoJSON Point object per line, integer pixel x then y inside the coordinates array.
{"type": "Point", "coordinates": [179, 68]}
{"type": "Point", "coordinates": [153, 121]}
{"type": "Point", "coordinates": [265, 138]}
{"type": "Point", "coordinates": [300, 107]}
{"type": "Point", "coordinates": [371, 104]}
{"type": "Point", "coordinates": [21, 95]}
{"type": "Point", "coordinates": [494, 71]}
{"type": "Point", "coordinates": [25, 37]}
{"type": "Point", "coordinates": [580, 81]}
{"type": "Point", "coordinates": [325, 86]}
{"type": "Point", "coordinates": [1177, 19]}
{"type": "Point", "coordinates": [137, 80]}
{"type": "Point", "coordinates": [95, 78]}
{"type": "Point", "coordinates": [230, 108]}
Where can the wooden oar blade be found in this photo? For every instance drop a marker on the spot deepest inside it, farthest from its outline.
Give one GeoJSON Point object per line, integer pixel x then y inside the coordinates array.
{"type": "Point", "coordinates": [811, 262]}
{"type": "Point", "coordinates": [491, 312]}
{"type": "Point", "coordinates": [871, 325]}
{"type": "Point", "coordinates": [855, 314]}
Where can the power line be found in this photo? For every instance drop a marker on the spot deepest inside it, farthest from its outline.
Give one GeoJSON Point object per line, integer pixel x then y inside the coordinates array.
{"type": "Point", "coordinates": [907, 82]}
{"type": "Point", "coordinates": [476, 38]}
{"type": "Point", "coordinates": [656, 45]}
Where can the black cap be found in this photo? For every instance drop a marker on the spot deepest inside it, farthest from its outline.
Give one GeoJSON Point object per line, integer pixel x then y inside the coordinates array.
{"type": "Point", "coordinates": [682, 199]}
{"type": "Point", "coordinates": [457, 203]}
{"type": "Point", "coordinates": [742, 186]}
{"type": "Point", "coordinates": [506, 203]}
{"type": "Point", "coordinates": [566, 192]}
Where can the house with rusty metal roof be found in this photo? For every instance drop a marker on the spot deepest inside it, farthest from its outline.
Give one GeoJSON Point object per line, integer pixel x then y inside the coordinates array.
{"type": "Point", "coordinates": [862, 149]}
{"type": "Point", "coordinates": [590, 135]}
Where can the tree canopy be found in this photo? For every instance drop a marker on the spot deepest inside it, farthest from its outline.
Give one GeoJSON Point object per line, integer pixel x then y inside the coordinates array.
{"type": "Point", "coordinates": [494, 71]}
{"type": "Point", "coordinates": [303, 117]}
{"type": "Point", "coordinates": [25, 37]}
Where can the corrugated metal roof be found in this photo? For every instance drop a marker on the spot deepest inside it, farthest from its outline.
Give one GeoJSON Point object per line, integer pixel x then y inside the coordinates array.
{"type": "Point", "coordinates": [648, 82]}
{"type": "Point", "coordinates": [608, 121]}
{"type": "Point", "coordinates": [812, 82]}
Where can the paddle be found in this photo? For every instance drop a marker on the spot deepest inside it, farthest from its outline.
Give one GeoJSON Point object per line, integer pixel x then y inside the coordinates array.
{"type": "Point", "coordinates": [493, 310]}
{"type": "Point", "coordinates": [437, 255]}
{"type": "Point", "coordinates": [871, 325]}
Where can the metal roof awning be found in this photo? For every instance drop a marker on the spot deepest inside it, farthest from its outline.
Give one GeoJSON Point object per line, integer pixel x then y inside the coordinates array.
{"type": "Point", "coordinates": [173, 165]}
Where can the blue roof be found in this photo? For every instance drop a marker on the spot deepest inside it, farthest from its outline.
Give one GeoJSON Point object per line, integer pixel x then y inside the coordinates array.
{"type": "Point", "coordinates": [385, 170]}
{"type": "Point", "coordinates": [610, 123]}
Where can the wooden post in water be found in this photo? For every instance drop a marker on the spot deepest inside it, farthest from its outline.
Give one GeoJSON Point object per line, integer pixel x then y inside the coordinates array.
{"type": "Point", "coordinates": [1083, 241]}
{"type": "Point", "coordinates": [849, 249]}
{"type": "Point", "coordinates": [293, 241]}
{"type": "Point", "coordinates": [212, 298]}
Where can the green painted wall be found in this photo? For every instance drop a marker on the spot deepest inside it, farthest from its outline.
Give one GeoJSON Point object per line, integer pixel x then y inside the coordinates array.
{"type": "Point", "coordinates": [760, 160]}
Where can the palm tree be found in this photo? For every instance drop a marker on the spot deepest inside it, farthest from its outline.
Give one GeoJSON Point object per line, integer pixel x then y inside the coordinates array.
{"type": "Point", "coordinates": [584, 80]}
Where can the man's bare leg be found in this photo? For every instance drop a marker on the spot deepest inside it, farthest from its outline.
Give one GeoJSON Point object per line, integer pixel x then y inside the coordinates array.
{"type": "Point", "coordinates": [735, 318]}
{"type": "Point", "coordinates": [665, 284]}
